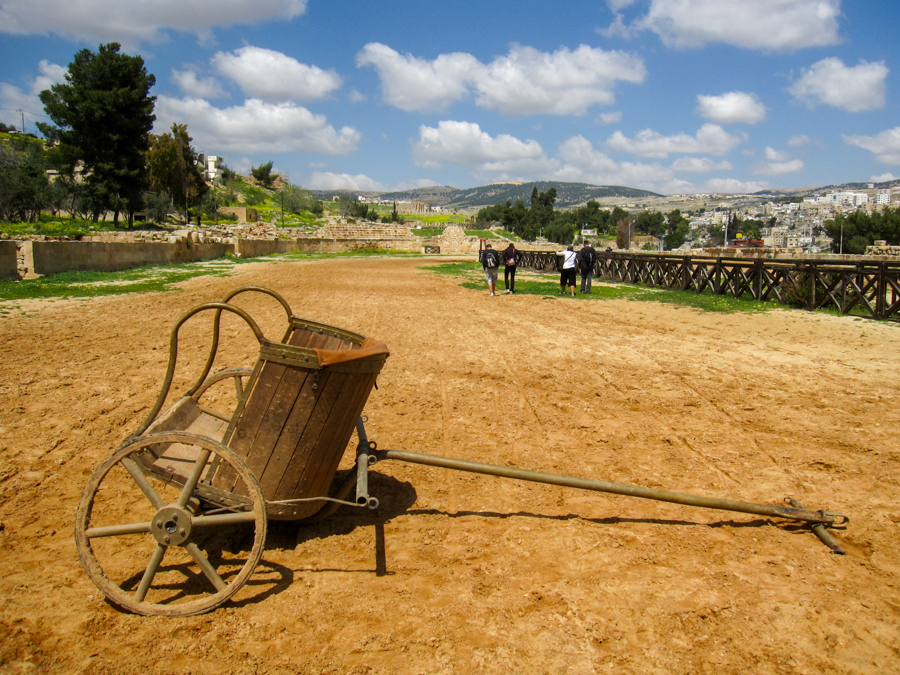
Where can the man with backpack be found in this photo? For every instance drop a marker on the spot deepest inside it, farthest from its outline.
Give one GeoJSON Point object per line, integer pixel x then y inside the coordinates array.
{"type": "Point", "coordinates": [587, 258]}
{"type": "Point", "coordinates": [490, 261]}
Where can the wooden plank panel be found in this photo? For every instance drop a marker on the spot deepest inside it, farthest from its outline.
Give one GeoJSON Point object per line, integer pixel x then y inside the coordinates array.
{"type": "Point", "coordinates": [331, 385]}
{"type": "Point", "coordinates": [287, 442]}
{"type": "Point", "coordinates": [336, 435]}
{"type": "Point", "coordinates": [274, 419]}
{"type": "Point", "coordinates": [248, 425]}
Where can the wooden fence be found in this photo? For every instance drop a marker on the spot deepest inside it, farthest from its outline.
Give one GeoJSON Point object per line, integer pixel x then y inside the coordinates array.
{"type": "Point", "coordinates": [865, 288]}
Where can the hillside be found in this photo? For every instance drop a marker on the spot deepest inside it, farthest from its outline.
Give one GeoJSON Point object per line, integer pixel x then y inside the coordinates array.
{"type": "Point", "coordinates": [568, 194]}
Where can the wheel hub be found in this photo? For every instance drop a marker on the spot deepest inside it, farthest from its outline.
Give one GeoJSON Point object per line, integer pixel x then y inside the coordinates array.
{"type": "Point", "coordinates": [171, 526]}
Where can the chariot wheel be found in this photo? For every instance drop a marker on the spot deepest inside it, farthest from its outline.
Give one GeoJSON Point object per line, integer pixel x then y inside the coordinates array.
{"type": "Point", "coordinates": [158, 540]}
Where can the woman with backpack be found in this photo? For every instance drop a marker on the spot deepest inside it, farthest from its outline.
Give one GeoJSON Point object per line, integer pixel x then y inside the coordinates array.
{"type": "Point", "coordinates": [510, 260]}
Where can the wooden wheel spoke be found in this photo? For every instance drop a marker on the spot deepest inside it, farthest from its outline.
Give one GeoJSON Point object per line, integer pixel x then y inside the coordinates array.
{"type": "Point", "coordinates": [223, 520]}
{"type": "Point", "coordinates": [141, 480]}
{"type": "Point", "coordinates": [117, 530]}
{"type": "Point", "coordinates": [203, 563]}
{"type": "Point", "coordinates": [191, 483]}
{"type": "Point", "coordinates": [149, 573]}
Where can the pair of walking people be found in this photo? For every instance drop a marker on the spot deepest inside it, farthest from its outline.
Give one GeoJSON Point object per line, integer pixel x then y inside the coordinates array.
{"type": "Point", "coordinates": [490, 261]}
{"type": "Point", "coordinates": [583, 261]}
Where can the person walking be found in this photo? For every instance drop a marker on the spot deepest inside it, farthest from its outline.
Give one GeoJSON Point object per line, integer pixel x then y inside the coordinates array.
{"type": "Point", "coordinates": [587, 257]}
{"type": "Point", "coordinates": [490, 261]}
{"type": "Point", "coordinates": [567, 274]}
{"type": "Point", "coordinates": [510, 260]}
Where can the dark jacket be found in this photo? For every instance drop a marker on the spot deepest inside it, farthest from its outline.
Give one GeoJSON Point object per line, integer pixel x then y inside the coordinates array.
{"type": "Point", "coordinates": [510, 253]}
{"type": "Point", "coordinates": [586, 259]}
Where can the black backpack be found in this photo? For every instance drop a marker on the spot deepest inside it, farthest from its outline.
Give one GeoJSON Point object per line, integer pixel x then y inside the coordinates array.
{"type": "Point", "coordinates": [588, 258]}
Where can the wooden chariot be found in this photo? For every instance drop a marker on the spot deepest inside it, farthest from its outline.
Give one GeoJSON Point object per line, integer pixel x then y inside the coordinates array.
{"type": "Point", "coordinates": [174, 521]}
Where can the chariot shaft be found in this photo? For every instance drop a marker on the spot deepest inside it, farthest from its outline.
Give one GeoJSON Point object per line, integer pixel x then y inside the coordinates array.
{"type": "Point", "coordinates": [790, 513]}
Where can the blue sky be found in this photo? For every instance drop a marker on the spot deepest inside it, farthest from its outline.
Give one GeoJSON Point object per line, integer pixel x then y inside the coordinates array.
{"type": "Point", "coordinates": [675, 96]}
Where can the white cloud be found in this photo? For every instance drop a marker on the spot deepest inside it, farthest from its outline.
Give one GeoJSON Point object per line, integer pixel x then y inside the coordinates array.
{"type": "Point", "coordinates": [735, 106]}
{"type": "Point", "coordinates": [611, 117]}
{"type": "Point", "coordinates": [773, 155]}
{"type": "Point", "coordinates": [800, 140]}
{"type": "Point", "coordinates": [529, 82]}
{"type": "Point", "coordinates": [191, 85]}
{"type": "Point", "coordinates": [410, 83]}
{"type": "Point", "coordinates": [734, 186]}
{"type": "Point", "coordinates": [273, 76]}
{"type": "Point", "coordinates": [830, 82]}
{"type": "Point", "coordinates": [779, 168]}
{"type": "Point", "coordinates": [883, 178]}
{"type": "Point", "coordinates": [465, 143]}
{"type": "Point", "coordinates": [327, 180]}
{"type": "Point", "coordinates": [524, 82]}
{"type": "Point", "coordinates": [130, 23]}
{"type": "Point", "coordinates": [619, 5]}
{"type": "Point", "coordinates": [700, 165]}
{"type": "Point", "coordinates": [774, 25]}
{"type": "Point", "coordinates": [13, 99]}
{"type": "Point", "coordinates": [885, 146]}
{"type": "Point", "coordinates": [710, 139]}
{"type": "Point", "coordinates": [581, 162]}
{"type": "Point", "coordinates": [255, 126]}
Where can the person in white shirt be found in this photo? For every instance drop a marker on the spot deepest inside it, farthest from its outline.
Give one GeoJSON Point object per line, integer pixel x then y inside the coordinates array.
{"type": "Point", "coordinates": [567, 275]}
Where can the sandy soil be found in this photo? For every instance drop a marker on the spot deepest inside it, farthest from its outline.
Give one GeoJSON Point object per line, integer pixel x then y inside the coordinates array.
{"type": "Point", "coordinates": [460, 573]}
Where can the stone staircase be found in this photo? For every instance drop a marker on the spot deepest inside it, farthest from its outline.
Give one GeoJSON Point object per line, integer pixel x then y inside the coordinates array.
{"type": "Point", "coordinates": [365, 231]}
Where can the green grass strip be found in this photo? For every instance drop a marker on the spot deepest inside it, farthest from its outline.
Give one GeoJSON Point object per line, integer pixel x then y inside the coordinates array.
{"type": "Point", "coordinates": [471, 277]}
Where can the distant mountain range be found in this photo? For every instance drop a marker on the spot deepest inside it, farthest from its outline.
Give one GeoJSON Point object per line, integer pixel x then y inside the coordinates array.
{"type": "Point", "coordinates": [567, 194]}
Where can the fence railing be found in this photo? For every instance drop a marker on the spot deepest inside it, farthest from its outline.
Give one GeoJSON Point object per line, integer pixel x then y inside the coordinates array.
{"type": "Point", "coordinates": [866, 288]}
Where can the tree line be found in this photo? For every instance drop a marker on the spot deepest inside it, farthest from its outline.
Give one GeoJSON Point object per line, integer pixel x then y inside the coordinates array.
{"type": "Point", "coordinates": [540, 218]}
{"type": "Point", "coordinates": [104, 157]}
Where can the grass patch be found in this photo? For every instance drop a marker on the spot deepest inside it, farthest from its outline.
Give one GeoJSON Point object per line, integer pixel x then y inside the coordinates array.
{"type": "Point", "coordinates": [147, 279]}
{"type": "Point", "coordinates": [471, 276]}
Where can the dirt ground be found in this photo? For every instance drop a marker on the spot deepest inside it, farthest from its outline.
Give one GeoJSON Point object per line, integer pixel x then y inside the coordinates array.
{"type": "Point", "coordinates": [460, 573]}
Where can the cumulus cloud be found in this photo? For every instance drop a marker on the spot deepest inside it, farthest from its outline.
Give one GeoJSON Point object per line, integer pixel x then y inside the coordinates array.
{"type": "Point", "coordinates": [710, 139]}
{"type": "Point", "coordinates": [830, 82]}
{"type": "Point", "coordinates": [524, 82]}
{"type": "Point", "coordinates": [328, 180]}
{"type": "Point", "coordinates": [772, 25]}
{"type": "Point", "coordinates": [800, 140]}
{"type": "Point", "coordinates": [885, 146]}
{"type": "Point", "coordinates": [130, 23]}
{"type": "Point", "coordinates": [619, 5]}
{"type": "Point", "coordinates": [580, 161]}
{"type": "Point", "coordinates": [779, 168]}
{"type": "Point", "coordinates": [883, 178]}
{"type": "Point", "coordinates": [773, 155]}
{"type": "Point", "coordinates": [735, 106]}
{"type": "Point", "coordinates": [465, 143]}
{"type": "Point", "coordinates": [255, 126]}
{"type": "Point", "coordinates": [192, 85]}
{"type": "Point", "coordinates": [13, 99]}
{"type": "Point", "coordinates": [611, 117]}
{"type": "Point", "coordinates": [410, 83]}
{"type": "Point", "coordinates": [734, 186]}
{"type": "Point", "coordinates": [273, 76]}
{"type": "Point", "coordinates": [700, 165]}
{"type": "Point", "coordinates": [530, 82]}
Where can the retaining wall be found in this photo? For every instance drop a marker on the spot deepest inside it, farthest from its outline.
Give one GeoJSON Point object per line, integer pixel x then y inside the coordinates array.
{"type": "Point", "coordinates": [251, 248]}
{"type": "Point", "coordinates": [53, 257]}
{"type": "Point", "coordinates": [317, 245]}
{"type": "Point", "coordinates": [8, 260]}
